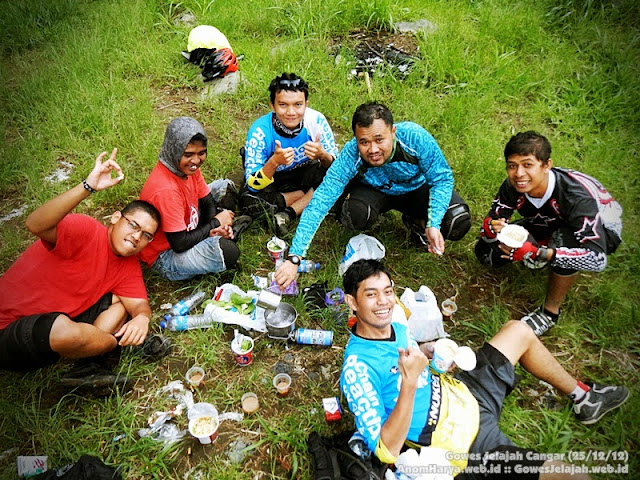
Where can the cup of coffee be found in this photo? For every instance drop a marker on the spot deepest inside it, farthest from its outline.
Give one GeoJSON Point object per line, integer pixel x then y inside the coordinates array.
{"type": "Point", "coordinates": [250, 402]}
{"type": "Point", "coordinates": [194, 376]}
{"type": "Point", "coordinates": [282, 382]}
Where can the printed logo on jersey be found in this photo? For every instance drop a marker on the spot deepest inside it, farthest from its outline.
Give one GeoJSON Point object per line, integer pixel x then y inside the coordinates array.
{"type": "Point", "coordinates": [541, 220]}
{"type": "Point", "coordinates": [193, 219]}
{"type": "Point", "coordinates": [361, 395]}
{"type": "Point", "coordinates": [498, 207]}
{"type": "Point", "coordinates": [436, 401]}
{"type": "Point", "coordinates": [554, 204]}
{"type": "Point", "coordinates": [588, 230]}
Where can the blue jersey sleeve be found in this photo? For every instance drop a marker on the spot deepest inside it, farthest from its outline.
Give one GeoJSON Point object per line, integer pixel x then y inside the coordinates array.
{"type": "Point", "coordinates": [436, 171]}
{"type": "Point", "coordinates": [259, 145]}
{"type": "Point", "coordinates": [341, 171]}
{"type": "Point", "coordinates": [318, 125]}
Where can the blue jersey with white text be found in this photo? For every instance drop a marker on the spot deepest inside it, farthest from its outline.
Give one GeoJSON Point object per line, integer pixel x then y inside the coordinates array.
{"type": "Point", "coordinates": [416, 160]}
{"type": "Point", "coordinates": [445, 413]}
{"type": "Point", "coordinates": [261, 142]}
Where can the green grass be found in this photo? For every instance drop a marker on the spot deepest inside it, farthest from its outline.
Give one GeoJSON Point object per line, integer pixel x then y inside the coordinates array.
{"type": "Point", "coordinates": [80, 77]}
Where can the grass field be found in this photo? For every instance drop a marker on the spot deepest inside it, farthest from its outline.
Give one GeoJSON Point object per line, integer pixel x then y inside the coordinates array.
{"type": "Point", "coordinates": [82, 76]}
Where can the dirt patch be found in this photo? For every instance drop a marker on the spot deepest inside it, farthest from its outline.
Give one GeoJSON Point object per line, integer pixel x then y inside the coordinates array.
{"type": "Point", "coordinates": [378, 52]}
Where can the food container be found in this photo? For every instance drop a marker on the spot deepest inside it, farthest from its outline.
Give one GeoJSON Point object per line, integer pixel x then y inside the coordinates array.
{"type": "Point", "coordinates": [204, 422]}
{"type": "Point", "coordinates": [243, 356]}
{"type": "Point", "coordinates": [276, 247]}
{"type": "Point", "coordinates": [444, 351]}
{"type": "Point", "coordinates": [332, 410]}
{"type": "Point", "coordinates": [281, 322]}
{"type": "Point", "coordinates": [513, 236]}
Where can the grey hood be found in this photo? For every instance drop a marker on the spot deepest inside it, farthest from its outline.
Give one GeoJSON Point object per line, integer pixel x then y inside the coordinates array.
{"type": "Point", "coordinates": [179, 133]}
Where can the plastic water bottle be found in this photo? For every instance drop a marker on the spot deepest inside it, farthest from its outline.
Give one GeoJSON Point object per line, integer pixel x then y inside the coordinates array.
{"type": "Point", "coordinates": [181, 323]}
{"type": "Point", "coordinates": [186, 304]}
{"type": "Point", "coordinates": [308, 266]}
{"type": "Point", "coordinates": [358, 445]}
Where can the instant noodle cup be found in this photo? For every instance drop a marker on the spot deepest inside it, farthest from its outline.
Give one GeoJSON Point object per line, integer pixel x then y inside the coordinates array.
{"type": "Point", "coordinates": [513, 236]}
{"type": "Point", "coordinates": [276, 247]}
{"type": "Point", "coordinates": [465, 359]}
{"type": "Point", "coordinates": [204, 422]}
{"type": "Point", "coordinates": [242, 348]}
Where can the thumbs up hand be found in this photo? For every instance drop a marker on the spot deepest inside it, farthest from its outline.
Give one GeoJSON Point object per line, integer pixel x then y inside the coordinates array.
{"type": "Point", "coordinates": [313, 150]}
{"type": "Point", "coordinates": [283, 156]}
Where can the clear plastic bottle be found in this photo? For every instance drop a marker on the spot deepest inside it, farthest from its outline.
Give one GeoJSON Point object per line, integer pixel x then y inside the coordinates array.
{"type": "Point", "coordinates": [358, 445]}
{"type": "Point", "coordinates": [308, 266]}
{"type": "Point", "coordinates": [186, 304]}
{"type": "Point", "coordinates": [181, 323]}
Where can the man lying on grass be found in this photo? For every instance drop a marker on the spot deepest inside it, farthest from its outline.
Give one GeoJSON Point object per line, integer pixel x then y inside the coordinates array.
{"type": "Point", "coordinates": [78, 291]}
{"type": "Point", "coordinates": [572, 221]}
{"type": "Point", "coordinates": [397, 399]}
{"type": "Point", "coordinates": [385, 166]}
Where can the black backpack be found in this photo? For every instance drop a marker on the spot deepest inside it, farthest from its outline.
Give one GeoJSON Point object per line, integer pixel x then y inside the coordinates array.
{"type": "Point", "coordinates": [334, 460]}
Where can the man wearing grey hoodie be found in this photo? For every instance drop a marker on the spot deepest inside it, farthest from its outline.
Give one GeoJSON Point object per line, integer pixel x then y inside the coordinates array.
{"type": "Point", "coordinates": [197, 236]}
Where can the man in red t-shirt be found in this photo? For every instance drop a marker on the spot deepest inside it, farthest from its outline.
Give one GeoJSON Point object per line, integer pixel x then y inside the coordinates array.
{"type": "Point", "coordinates": [78, 291]}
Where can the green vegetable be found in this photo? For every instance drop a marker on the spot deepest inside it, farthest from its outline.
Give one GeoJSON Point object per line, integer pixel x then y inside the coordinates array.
{"type": "Point", "coordinates": [245, 345]}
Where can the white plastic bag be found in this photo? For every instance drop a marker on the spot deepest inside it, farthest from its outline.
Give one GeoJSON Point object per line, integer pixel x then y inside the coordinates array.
{"type": "Point", "coordinates": [254, 321]}
{"type": "Point", "coordinates": [425, 321]}
{"type": "Point", "coordinates": [430, 464]}
{"type": "Point", "coordinates": [361, 247]}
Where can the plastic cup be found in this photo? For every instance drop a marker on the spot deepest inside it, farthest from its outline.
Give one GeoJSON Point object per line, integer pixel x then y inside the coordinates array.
{"type": "Point", "coordinates": [282, 382]}
{"type": "Point", "coordinates": [444, 351]}
{"type": "Point", "coordinates": [243, 357]}
{"type": "Point", "coordinates": [194, 376]}
{"type": "Point", "coordinates": [448, 308]}
{"type": "Point", "coordinates": [250, 402]}
{"type": "Point", "coordinates": [276, 247]}
{"type": "Point", "coordinates": [204, 422]}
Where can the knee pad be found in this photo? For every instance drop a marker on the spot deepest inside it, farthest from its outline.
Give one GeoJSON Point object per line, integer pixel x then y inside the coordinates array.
{"type": "Point", "coordinates": [357, 215]}
{"type": "Point", "coordinates": [456, 222]}
{"type": "Point", "coordinates": [230, 252]}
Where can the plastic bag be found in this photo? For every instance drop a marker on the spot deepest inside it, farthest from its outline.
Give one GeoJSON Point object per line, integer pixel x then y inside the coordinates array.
{"type": "Point", "coordinates": [254, 321]}
{"type": "Point", "coordinates": [361, 247]}
{"type": "Point", "coordinates": [425, 321]}
{"type": "Point", "coordinates": [413, 466]}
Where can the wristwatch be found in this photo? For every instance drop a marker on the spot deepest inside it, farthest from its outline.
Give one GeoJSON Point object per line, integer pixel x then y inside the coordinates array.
{"type": "Point", "coordinates": [295, 259]}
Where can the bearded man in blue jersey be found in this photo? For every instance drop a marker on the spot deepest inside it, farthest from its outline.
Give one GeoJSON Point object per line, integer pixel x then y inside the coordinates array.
{"type": "Point", "coordinates": [386, 166]}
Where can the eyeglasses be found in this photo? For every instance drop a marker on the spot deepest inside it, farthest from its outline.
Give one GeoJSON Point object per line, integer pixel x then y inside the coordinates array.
{"type": "Point", "coordinates": [290, 83]}
{"type": "Point", "coordinates": [148, 237]}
